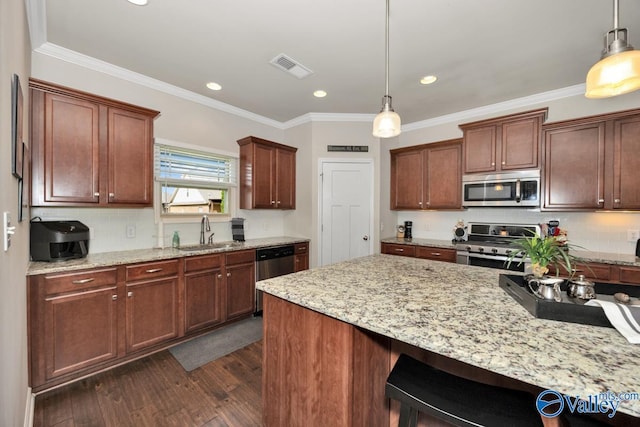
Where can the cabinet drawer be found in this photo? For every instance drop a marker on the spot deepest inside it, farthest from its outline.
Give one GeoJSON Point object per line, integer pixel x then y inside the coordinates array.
{"type": "Point", "coordinates": [590, 271]}
{"type": "Point", "coordinates": [438, 254]}
{"type": "Point", "coordinates": [301, 248]}
{"type": "Point", "coordinates": [241, 257]}
{"type": "Point", "coordinates": [630, 275]}
{"type": "Point", "coordinates": [394, 249]}
{"type": "Point", "coordinates": [152, 270]}
{"type": "Point", "coordinates": [60, 283]}
{"type": "Point", "coordinates": [205, 262]}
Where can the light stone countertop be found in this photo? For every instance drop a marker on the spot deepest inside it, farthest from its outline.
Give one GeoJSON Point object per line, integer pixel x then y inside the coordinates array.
{"type": "Point", "coordinates": [155, 254]}
{"type": "Point", "coordinates": [460, 312]}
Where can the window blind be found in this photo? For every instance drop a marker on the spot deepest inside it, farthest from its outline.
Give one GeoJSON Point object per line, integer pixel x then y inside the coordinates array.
{"type": "Point", "coordinates": [180, 167]}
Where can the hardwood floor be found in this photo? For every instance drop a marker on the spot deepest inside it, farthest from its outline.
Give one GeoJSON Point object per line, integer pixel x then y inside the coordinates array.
{"type": "Point", "coordinates": [156, 391]}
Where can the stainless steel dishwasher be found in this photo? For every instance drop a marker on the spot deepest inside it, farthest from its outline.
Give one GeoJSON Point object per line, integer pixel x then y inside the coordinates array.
{"type": "Point", "coordinates": [273, 262]}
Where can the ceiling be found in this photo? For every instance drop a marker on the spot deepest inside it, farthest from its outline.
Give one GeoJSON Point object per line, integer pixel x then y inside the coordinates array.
{"type": "Point", "coordinates": [483, 52]}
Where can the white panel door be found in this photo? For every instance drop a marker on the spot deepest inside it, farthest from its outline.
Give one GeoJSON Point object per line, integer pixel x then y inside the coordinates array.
{"type": "Point", "coordinates": [347, 204]}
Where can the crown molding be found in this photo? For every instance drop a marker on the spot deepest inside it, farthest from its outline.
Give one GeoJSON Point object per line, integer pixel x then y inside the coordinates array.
{"type": "Point", "coordinates": [37, 20]}
{"type": "Point", "coordinates": [500, 107]}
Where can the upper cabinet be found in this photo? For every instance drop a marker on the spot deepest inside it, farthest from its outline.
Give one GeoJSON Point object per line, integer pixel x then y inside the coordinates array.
{"type": "Point", "coordinates": [503, 143]}
{"type": "Point", "coordinates": [592, 163]}
{"type": "Point", "coordinates": [89, 150]}
{"type": "Point", "coordinates": [267, 174]}
{"type": "Point", "coordinates": [427, 176]}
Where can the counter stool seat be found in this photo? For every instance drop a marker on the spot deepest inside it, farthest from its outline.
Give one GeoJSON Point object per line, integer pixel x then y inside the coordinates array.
{"type": "Point", "coordinates": [459, 401]}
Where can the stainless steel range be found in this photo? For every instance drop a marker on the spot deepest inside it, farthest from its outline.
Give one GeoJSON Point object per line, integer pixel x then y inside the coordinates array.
{"type": "Point", "coordinates": [489, 245]}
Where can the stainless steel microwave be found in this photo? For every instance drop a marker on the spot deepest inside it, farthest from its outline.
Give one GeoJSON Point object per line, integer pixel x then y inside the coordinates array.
{"type": "Point", "coordinates": [520, 188]}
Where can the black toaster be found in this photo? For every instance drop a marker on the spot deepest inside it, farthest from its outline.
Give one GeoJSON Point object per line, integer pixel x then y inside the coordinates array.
{"type": "Point", "coordinates": [58, 240]}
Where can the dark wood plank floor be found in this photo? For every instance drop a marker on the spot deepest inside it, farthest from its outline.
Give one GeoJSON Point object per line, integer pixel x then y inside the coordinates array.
{"type": "Point", "coordinates": [156, 391]}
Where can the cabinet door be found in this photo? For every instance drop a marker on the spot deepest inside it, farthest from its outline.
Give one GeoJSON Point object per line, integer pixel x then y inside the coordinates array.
{"type": "Point", "coordinates": [285, 179]}
{"type": "Point", "coordinates": [263, 181]}
{"type": "Point", "coordinates": [436, 254]}
{"type": "Point", "coordinates": [301, 256]}
{"type": "Point", "coordinates": [407, 189]}
{"type": "Point", "coordinates": [203, 299]}
{"type": "Point", "coordinates": [480, 149]}
{"type": "Point", "coordinates": [151, 312]}
{"type": "Point", "coordinates": [626, 168]}
{"type": "Point", "coordinates": [444, 177]}
{"type": "Point", "coordinates": [241, 281]}
{"type": "Point", "coordinates": [71, 150]}
{"type": "Point", "coordinates": [130, 157]}
{"type": "Point", "coordinates": [574, 166]}
{"type": "Point", "coordinates": [519, 144]}
{"type": "Point", "coordinates": [398, 249]}
{"type": "Point", "coordinates": [80, 330]}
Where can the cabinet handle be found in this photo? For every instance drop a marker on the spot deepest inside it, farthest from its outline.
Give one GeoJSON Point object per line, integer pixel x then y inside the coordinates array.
{"type": "Point", "coordinates": [399, 250]}
{"type": "Point", "coordinates": [616, 200]}
{"type": "Point", "coordinates": [111, 195]}
{"type": "Point", "coordinates": [82, 281]}
{"type": "Point", "coordinates": [302, 248]}
{"type": "Point", "coordinates": [228, 274]}
{"type": "Point", "coordinates": [130, 294]}
{"type": "Point", "coordinates": [278, 202]}
{"type": "Point", "coordinates": [297, 260]}
{"type": "Point", "coordinates": [219, 276]}
{"type": "Point", "coordinates": [273, 202]}
{"type": "Point", "coordinates": [153, 270]}
{"type": "Point", "coordinates": [504, 163]}
{"type": "Point", "coordinates": [420, 203]}
{"type": "Point", "coordinates": [493, 163]}
{"type": "Point", "coordinates": [114, 297]}
{"type": "Point", "coordinates": [96, 194]}
{"type": "Point", "coordinates": [435, 253]}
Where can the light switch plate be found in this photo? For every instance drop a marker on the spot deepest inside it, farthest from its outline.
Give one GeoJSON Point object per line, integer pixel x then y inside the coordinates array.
{"type": "Point", "coordinates": [7, 230]}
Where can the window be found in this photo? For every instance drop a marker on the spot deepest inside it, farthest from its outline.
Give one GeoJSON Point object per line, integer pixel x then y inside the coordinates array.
{"type": "Point", "coordinates": [193, 182]}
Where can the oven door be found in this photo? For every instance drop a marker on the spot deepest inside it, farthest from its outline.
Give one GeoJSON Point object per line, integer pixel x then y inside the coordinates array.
{"type": "Point", "coordinates": [491, 261]}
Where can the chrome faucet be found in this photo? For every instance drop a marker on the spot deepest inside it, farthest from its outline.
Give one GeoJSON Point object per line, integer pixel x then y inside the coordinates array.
{"type": "Point", "coordinates": [204, 226]}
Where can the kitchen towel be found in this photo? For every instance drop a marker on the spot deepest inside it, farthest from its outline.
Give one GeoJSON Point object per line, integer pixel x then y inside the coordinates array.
{"type": "Point", "coordinates": [237, 229]}
{"type": "Point", "coordinates": [624, 318]}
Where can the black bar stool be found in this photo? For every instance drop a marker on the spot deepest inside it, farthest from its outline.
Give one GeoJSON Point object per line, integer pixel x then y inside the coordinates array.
{"type": "Point", "coordinates": [459, 401]}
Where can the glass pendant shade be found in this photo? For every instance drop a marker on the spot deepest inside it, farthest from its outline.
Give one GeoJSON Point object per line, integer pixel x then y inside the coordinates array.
{"type": "Point", "coordinates": [387, 123]}
{"type": "Point", "coordinates": [614, 75]}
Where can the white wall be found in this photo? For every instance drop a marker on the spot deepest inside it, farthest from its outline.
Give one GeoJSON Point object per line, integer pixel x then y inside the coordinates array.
{"type": "Point", "coordinates": [603, 231]}
{"type": "Point", "coordinates": [14, 58]}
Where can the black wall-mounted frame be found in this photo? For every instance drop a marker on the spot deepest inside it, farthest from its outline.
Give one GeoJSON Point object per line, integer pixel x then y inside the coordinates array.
{"type": "Point", "coordinates": [16, 128]}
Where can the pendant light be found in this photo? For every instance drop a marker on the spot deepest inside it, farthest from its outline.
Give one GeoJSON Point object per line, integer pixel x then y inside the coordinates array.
{"type": "Point", "coordinates": [618, 71]}
{"type": "Point", "coordinates": [387, 122]}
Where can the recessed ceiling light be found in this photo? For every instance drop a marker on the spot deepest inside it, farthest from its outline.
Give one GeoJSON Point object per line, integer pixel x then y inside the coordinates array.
{"type": "Point", "coordinates": [319, 93]}
{"type": "Point", "coordinates": [214, 86]}
{"type": "Point", "coordinates": [138, 2]}
{"type": "Point", "coordinates": [427, 80]}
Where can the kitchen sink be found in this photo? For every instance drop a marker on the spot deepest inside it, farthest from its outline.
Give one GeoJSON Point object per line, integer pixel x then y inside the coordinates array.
{"type": "Point", "coordinates": [222, 245]}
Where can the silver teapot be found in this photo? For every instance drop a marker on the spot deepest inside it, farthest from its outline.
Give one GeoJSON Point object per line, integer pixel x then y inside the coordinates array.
{"type": "Point", "coordinates": [581, 288]}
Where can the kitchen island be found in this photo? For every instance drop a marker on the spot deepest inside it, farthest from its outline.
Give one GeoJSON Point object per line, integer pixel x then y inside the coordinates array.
{"type": "Point", "coordinates": [333, 334]}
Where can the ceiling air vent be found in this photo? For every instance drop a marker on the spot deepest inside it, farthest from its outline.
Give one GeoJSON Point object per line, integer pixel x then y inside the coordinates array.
{"type": "Point", "coordinates": [291, 66]}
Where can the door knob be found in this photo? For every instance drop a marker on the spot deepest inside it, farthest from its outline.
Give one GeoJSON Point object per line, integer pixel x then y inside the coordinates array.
{"type": "Point", "coordinates": [365, 238]}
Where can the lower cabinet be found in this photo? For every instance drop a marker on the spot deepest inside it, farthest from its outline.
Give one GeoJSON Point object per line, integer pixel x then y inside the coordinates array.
{"type": "Point", "coordinates": [78, 314]}
{"type": "Point", "coordinates": [301, 256]}
{"type": "Point", "coordinates": [85, 321]}
{"type": "Point", "coordinates": [151, 304]}
{"type": "Point", "coordinates": [418, 251]}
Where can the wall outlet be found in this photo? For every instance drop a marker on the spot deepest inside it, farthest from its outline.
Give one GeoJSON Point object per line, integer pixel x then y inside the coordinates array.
{"type": "Point", "coordinates": [633, 235]}
{"type": "Point", "coordinates": [131, 231]}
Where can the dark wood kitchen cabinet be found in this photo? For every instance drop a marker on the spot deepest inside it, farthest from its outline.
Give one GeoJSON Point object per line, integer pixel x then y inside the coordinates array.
{"type": "Point", "coordinates": [73, 322]}
{"type": "Point", "coordinates": [240, 276]}
{"type": "Point", "coordinates": [419, 251]}
{"type": "Point", "coordinates": [203, 287]}
{"type": "Point", "coordinates": [151, 304]}
{"type": "Point", "coordinates": [427, 176]}
{"type": "Point", "coordinates": [503, 143]}
{"type": "Point", "coordinates": [301, 257]}
{"type": "Point", "coordinates": [88, 150]}
{"type": "Point", "coordinates": [591, 163]}
{"type": "Point", "coordinates": [267, 174]}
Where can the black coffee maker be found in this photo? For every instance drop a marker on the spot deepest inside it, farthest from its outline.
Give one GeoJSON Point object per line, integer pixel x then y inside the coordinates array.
{"type": "Point", "coordinates": [408, 225]}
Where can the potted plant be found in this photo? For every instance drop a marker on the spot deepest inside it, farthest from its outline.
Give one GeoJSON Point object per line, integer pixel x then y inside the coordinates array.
{"type": "Point", "coordinates": [543, 251]}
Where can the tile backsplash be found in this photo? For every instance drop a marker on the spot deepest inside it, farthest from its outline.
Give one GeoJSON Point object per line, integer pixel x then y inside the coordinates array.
{"type": "Point", "coordinates": [115, 229]}
{"type": "Point", "coordinates": [594, 231]}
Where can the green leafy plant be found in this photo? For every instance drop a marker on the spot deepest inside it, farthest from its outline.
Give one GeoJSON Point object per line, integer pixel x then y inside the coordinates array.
{"type": "Point", "coordinates": [543, 251]}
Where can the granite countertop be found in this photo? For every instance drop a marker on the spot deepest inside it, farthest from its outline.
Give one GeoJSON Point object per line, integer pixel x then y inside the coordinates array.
{"type": "Point", "coordinates": [588, 256]}
{"type": "Point", "coordinates": [460, 312]}
{"type": "Point", "coordinates": [143, 255]}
